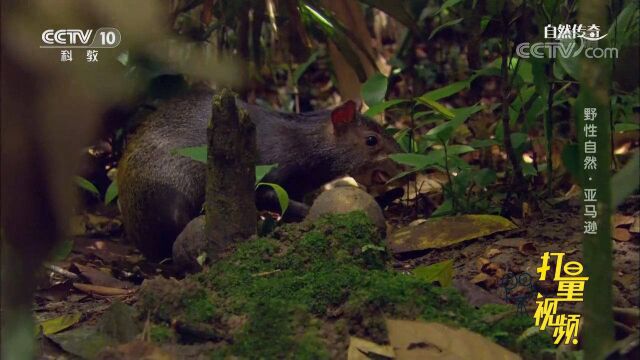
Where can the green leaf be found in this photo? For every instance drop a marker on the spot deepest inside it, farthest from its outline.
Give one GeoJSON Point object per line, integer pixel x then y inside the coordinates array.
{"type": "Point", "coordinates": [197, 153]}
{"type": "Point", "coordinates": [382, 106]}
{"type": "Point", "coordinates": [570, 64]}
{"type": "Point", "coordinates": [518, 140]}
{"type": "Point", "coordinates": [61, 251]}
{"type": "Point", "coordinates": [58, 324]}
{"type": "Point", "coordinates": [447, 90]}
{"type": "Point", "coordinates": [446, 208]}
{"type": "Point", "coordinates": [444, 26]}
{"type": "Point", "coordinates": [484, 22]}
{"type": "Point", "coordinates": [87, 185]}
{"type": "Point", "coordinates": [622, 127]}
{"type": "Point", "coordinates": [263, 170]}
{"type": "Point", "coordinates": [441, 272]}
{"type": "Point", "coordinates": [418, 161]}
{"type": "Point", "coordinates": [437, 107]}
{"type": "Point", "coordinates": [112, 192]}
{"type": "Point", "coordinates": [485, 177]}
{"type": "Point", "coordinates": [625, 28]}
{"type": "Point", "coordinates": [374, 89]}
{"type": "Point", "coordinates": [281, 193]}
{"type": "Point", "coordinates": [445, 5]}
{"type": "Point", "coordinates": [304, 66]}
{"type": "Point", "coordinates": [482, 143]}
{"type": "Point", "coordinates": [444, 131]}
{"type": "Point", "coordinates": [626, 181]}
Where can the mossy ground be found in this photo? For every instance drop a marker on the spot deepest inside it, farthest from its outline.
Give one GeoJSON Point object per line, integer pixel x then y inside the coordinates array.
{"type": "Point", "coordinates": [305, 289]}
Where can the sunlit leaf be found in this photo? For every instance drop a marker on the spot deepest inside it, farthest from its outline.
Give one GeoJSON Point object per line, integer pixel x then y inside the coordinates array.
{"type": "Point", "coordinates": [112, 192]}
{"type": "Point", "coordinates": [58, 324]}
{"type": "Point", "coordinates": [441, 272]}
{"type": "Point", "coordinates": [263, 170]}
{"type": "Point", "coordinates": [281, 193]}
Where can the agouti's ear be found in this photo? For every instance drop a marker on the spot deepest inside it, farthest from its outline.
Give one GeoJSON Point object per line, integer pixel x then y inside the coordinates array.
{"type": "Point", "coordinates": [344, 114]}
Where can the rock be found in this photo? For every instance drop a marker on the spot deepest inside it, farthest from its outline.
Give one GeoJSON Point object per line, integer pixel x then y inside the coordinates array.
{"type": "Point", "coordinates": [344, 199]}
{"type": "Point", "coordinates": [189, 245]}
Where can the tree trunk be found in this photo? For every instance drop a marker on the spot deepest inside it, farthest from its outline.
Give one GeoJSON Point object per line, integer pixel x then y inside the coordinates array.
{"type": "Point", "coordinates": [231, 159]}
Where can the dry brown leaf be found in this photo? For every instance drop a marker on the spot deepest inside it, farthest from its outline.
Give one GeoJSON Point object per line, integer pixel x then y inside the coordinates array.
{"type": "Point", "coordinates": [101, 278]}
{"type": "Point", "coordinates": [635, 227]}
{"type": "Point", "coordinates": [510, 242]}
{"type": "Point", "coordinates": [101, 290]}
{"type": "Point", "coordinates": [430, 340]}
{"type": "Point", "coordinates": [492, 252]}
{"type": "Point", "coordinates": [621, 234]}
{"type": "Point", "coordinates": [620, 220]}
{"type": "Point", "coordinates": [361, 349]}
{"type": "Point", "coordinates": [482, 262]}
{"type": "Point", "coordinates": [527, 248]}
{"type": "Point", "coordinates": [445, 231]}
{"type": "Point", "coordinates": [484, 280]}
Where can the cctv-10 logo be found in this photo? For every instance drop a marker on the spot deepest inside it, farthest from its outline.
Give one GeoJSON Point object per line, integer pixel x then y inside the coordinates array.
{"type": "Point", "coordinates": [105, 37]}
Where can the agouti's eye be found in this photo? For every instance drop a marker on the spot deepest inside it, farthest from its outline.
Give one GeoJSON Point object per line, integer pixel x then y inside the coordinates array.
{"type": "Point", "coordinates": [372, 141]}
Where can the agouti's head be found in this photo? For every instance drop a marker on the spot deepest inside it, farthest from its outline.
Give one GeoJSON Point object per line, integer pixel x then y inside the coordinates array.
{"type": "Point", "coordinates": [363, 147]}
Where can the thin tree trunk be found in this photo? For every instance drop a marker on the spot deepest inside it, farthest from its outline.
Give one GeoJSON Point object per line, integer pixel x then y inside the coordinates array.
{"type": "Point", "coordinates": [231, 160]}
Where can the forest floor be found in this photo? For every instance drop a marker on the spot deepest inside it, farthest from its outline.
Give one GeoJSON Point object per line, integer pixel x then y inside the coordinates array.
{"type": "Point", "coordinates": [101, 269]}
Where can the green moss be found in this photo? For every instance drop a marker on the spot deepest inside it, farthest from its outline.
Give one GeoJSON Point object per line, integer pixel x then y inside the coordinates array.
{"type": "Point", "coordinates": [160, 333]}
{"type": "Point", "coordinates": [306, 275]}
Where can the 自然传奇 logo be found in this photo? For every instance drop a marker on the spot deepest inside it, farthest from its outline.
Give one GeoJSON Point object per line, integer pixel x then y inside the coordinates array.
{"type": "Point", "coordinates": [570, 41]}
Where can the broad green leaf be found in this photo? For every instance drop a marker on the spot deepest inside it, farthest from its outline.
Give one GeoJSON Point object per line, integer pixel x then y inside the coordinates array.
{"type": "Point", "coordinates": [626, 181]}
{"type": "Point", "coordinates": [304, 66]}
{"type": "Point", "coordinates": [442, 232]}
{"type": "Point", "coordinates": [485, 177]}
{"type": "Point", "coordinates": [484, 22]}
{"type": "Point", "coordinates": [446, 208]}
{"type": "Point", "coordinates": [443, 132]}
{"type": "Point", "coordinates": [197, 153]}
{"type": "Point", "coordinates": [112, 192]}
{"type": "Point", "coordinates": [263, 170]}
{"type": "Point", "coordinates": [62, 250]}
{"type": "Point", "coordinates": [528, 169]}
{"type": "Point", "coordinates": [374, 89]}
{"type": "Point", "coordinates": [281, 193]}
{"type": "Point", "coordinates": [87, 185]}
{"type": "Point", "coordinates": [446, 91]}
{"type": "Point", "coordinates": [418, 161]}
{"type": "Point", "coordinates": [444, 26]}
{"type": "Point", "coordinates": [58, 324]}
{"type": "Point", "coordinates": [518, 140]}
{"type": "Point", "coordinates": [382, 106]}
{"type": "Point", "coordinates": [625, 28]}
{"type": "Point", "coordinates": [441, 272]}
{"type": "Point", "coordinates": [570, 64]}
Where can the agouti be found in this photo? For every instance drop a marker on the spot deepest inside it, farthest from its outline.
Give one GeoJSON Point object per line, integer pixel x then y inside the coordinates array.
{"type": "Point", "coordinates": [160, 191]}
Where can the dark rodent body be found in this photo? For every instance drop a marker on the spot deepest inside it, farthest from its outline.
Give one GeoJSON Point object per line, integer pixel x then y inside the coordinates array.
{"type": "Point", "coordinates": [160, 191]}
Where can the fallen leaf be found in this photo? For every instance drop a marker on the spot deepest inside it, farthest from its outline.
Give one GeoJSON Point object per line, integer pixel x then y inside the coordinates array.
{"type": "Point", "coordinates": [445, 231]}
{"type": "Point", "coordinates": [85, 342]}
{"type": "Point", "coordinates": [635, 227]}
{"type": "Point", "coordinates": [492, 252]}
{"type": "Point", "coordinates": [441, 272]}
{"type": "Point", "coordinates": [101, 278]}
{"type": "Point", "coordinates": [621, 234]}
{"type": "Point", "coordinates": [430, 340]}
{"type": "Point", "coordinates": [527, 248]}
{"type": "Point", "coordinates": [361, 349]}
{"type": "Point", "coordinates": [620, 220]}
{"type": "Point", "coordinates": [482, 262]}
{"type": "Point", "coordinates": [101, 290]}
{"type": "Point", "coordinates": [58, 324]}
{"type": "Point", "coordinates": [484, 280]}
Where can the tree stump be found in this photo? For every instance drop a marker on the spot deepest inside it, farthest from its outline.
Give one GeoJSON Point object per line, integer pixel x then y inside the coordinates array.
{"type": "Point", "coordinates": [231, 214]}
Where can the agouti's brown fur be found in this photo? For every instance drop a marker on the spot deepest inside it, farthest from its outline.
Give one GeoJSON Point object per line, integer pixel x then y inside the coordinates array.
{"type": "Point", "coordinates": [160, 192]}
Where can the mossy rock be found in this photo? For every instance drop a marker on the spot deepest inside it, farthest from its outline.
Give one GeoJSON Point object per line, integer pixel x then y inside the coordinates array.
{"type": "Point", "coordinates": [300, 293]}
